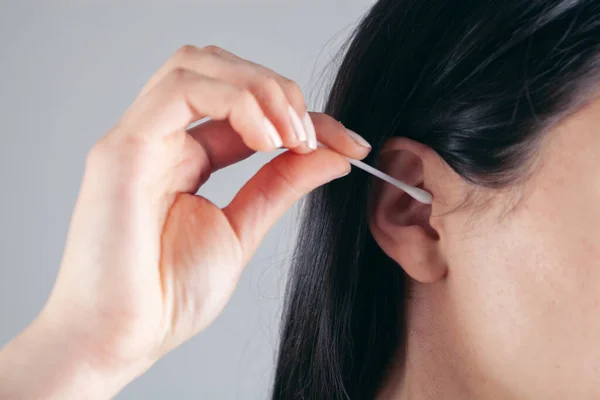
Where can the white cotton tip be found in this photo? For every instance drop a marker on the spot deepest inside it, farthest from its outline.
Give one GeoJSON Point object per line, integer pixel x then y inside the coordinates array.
{"type": "Point", "coordinates": [416, 193]}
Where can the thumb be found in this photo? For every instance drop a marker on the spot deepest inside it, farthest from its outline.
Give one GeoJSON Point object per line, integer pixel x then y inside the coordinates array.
{"type": "Point", "coordinates": [275, 188]}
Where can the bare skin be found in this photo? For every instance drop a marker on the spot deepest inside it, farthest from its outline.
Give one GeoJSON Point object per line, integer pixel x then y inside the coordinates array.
{"type": "Point", "coordinates": [147, 263]}
{"type": "Point", "coordinates": [503, 304]}
{"type": "Point", "coordinates": [504, 301]}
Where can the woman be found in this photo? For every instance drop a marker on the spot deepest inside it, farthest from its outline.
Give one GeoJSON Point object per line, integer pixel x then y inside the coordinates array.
{"type": "Point", "coordinates": [488, 293]}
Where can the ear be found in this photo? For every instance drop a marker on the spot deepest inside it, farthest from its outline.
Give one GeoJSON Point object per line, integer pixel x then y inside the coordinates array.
{"type": "Point", "coordinates": [401, 225]}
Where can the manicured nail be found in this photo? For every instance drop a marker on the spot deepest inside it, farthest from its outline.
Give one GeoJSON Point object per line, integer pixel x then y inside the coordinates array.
{"type": "Point", "coordinates": [297, 124]}
{"type": "Point", "coordinates": [312, 133]}
{"type": "Point", "coordinates": [308, 125]}
{"type": "Point", "coordinates": [358, 139]}
{"type": "Point", "coordinates": [272, 133]}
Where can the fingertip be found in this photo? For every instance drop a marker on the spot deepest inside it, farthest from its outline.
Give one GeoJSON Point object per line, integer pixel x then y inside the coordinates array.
{"type": "Point", "coordinates": [364, 147]}
{"type": "Point", "coordinates": [336, 137]}
{"type": "Point", "coordinates": [344, 173]}
{"type": "Point", "coordinates": [335, 164]}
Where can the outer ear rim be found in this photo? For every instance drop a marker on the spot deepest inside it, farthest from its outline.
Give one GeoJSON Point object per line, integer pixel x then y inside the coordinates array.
{"type": "Point", "coordinates": [405, 239]}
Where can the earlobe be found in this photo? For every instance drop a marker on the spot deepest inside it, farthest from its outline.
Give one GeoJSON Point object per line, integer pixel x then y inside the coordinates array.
{"type": "Point", "coordinates": [399, 223]}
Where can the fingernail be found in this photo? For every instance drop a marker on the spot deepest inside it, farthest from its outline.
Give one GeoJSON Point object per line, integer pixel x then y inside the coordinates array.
{"type": "Point", "coordinates": [358, 139]}
{"type": "Point", "coordinates": [298, 128]}
{"type": "Point", "coordinates": [272, 133]}
{"type": "Point", "coordinates": [310, 128]}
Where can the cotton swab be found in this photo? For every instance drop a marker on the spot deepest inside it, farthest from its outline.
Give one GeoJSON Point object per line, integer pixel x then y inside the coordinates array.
{"type": "Point", "coordinates": [416, 193]}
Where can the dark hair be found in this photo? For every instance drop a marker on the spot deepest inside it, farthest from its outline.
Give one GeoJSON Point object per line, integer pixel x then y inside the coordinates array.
{"type": "Point", "coordinates": [478, 82]}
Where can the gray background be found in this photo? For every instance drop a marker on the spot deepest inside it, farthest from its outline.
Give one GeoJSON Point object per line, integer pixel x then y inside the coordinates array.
{"type": "Point", "coordinates": [67, 72]}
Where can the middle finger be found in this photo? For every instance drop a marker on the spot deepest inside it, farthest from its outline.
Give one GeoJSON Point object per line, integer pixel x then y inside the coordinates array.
{"type": "Point", "coordinates": [281, 99]}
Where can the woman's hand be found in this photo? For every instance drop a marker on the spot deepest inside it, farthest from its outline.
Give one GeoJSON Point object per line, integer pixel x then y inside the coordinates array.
{"type": "Point", "coordinates": [148, 263]}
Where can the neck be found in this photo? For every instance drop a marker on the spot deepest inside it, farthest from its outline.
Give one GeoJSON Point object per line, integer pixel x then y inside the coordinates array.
{"type": "Point", "coordinates": [426, 371]}
{"type": "Point", "coordinates": [435, 363]}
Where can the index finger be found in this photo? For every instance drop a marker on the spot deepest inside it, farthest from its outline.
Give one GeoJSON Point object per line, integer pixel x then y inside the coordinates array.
{"type": "Point", "coordinates": [338, 138]}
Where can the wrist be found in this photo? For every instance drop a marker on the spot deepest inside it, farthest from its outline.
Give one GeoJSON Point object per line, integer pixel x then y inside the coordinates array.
{"type": "Point", "coordinates": [44, 362]}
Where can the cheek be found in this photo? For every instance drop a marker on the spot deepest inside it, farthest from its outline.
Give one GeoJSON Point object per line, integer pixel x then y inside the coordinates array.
{"type": "Point", "coordinates": [526, 293]}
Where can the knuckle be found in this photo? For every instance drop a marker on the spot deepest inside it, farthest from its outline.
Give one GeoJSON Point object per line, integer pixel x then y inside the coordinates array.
{"type": "Point", "coordinates": [290, 85]}
{"type": "Point", "coordinates": [283, 179]}
{"type": "Point", "coordinates": [192, 55]}
{"type": "Point", "coordinates": [271, 84]}
{"type": "Point", "coordinates": [179, 74]}
{"type": "Point", "coordinates": [244, 98]}
{"type": "Point", "coordinates": [267, 87]}
{"type": "Point", "coordinates": [243, 104]}
{"type": "Point", "coordinates": [293, 90]}
{"type": "Point", "coordinates": [96, 155]}
{"type": "Point", "coordinates": [212, 49]}
{"type": "Point", "coordinates": [185, 51]}
{"type": "Point", "coordinates": [236, 105]}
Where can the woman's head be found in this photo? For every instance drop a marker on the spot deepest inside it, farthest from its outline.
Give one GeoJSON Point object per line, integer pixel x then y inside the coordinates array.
{"type": "Point", "coordinates": [493, 108]}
